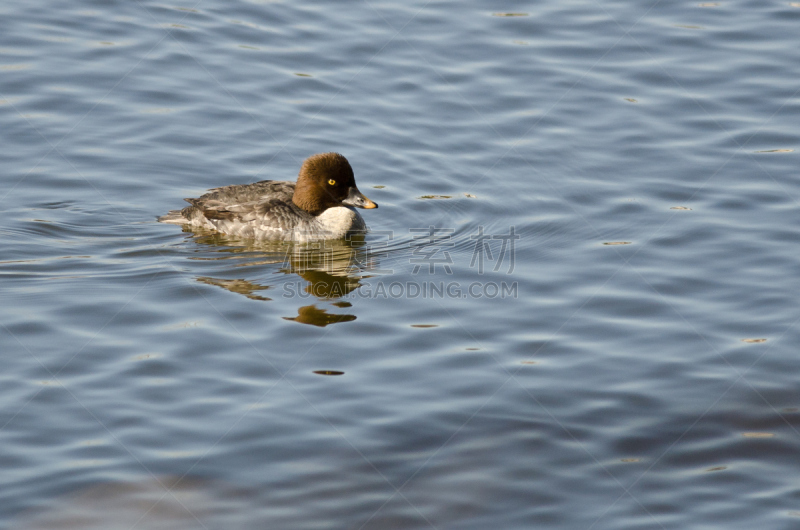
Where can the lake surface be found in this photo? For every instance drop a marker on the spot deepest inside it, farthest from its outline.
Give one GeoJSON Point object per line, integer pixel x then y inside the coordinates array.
{"type": "Point", "coordinates": [576, 307]}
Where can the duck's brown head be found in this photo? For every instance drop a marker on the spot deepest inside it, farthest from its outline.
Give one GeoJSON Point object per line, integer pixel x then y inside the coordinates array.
{"type": "Point", "coordinates": [326, 180]}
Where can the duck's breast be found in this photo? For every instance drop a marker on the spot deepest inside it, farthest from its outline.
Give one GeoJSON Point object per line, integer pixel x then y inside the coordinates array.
{"type": "Point", "coordinates": [336, 222]}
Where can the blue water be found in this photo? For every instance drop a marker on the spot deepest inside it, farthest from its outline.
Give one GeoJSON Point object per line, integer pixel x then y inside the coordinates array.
{"type": "Point", "coordinates": [629, 363]}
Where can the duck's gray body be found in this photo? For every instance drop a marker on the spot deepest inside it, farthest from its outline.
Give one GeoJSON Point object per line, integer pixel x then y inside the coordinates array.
{"type": "Point", "coordinates": [264, 210]}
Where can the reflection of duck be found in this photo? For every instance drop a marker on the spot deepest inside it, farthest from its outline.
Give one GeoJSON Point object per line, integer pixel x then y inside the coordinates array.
{"type": "Point", "coordinates": [319, 206]}
{"type": "Point", "coordinates": [315, 316]}
{"type": "Point", "coordinates": [328, 286]}
{"type": "Point", "coordinates": [332, 269]}
{"type": "Point", "coordinates": [240, 286]}
{"type": "Point", "coordinates": [336, 257]}
{"type": "Point", "coordinates": [340, 257]}
{"type": "Point", "coordinates": [320, 285]}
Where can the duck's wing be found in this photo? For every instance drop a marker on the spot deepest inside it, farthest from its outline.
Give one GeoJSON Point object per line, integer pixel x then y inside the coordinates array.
{"type": "Point", "coordinates": [243, 193]}
{"type": "Point", "coordinates": [272, 215]}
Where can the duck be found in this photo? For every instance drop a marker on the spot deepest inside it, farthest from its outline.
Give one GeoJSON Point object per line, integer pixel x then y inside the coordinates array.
{"type": "Point", "coordinates": [320, 205]}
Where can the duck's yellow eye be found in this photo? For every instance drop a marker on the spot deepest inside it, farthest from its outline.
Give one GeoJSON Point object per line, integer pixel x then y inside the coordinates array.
{"type": "Point", "coordinates": [332, 182]}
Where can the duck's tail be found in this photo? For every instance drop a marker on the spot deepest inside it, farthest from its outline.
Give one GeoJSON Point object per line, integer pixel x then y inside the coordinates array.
{"type": "Point", "coordinates": [174, 217]}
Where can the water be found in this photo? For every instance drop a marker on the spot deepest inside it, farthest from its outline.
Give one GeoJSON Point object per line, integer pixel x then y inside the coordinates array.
{"type": "Point", "coordinates": [157, 378]}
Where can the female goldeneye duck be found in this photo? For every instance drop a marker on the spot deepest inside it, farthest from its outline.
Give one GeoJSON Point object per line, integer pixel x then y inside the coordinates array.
{"type": "Point", "coordinates": [319, 206]}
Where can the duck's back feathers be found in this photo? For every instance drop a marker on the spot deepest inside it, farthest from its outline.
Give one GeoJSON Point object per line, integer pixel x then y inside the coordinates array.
{"type": "Point", "coordinates": [273, 189]}
{"type": "Point", "coordinates": [219, 203]}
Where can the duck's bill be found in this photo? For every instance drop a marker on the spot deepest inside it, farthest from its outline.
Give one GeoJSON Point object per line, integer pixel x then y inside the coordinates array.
{"type": "Point", "coordinates": [358, 199]}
